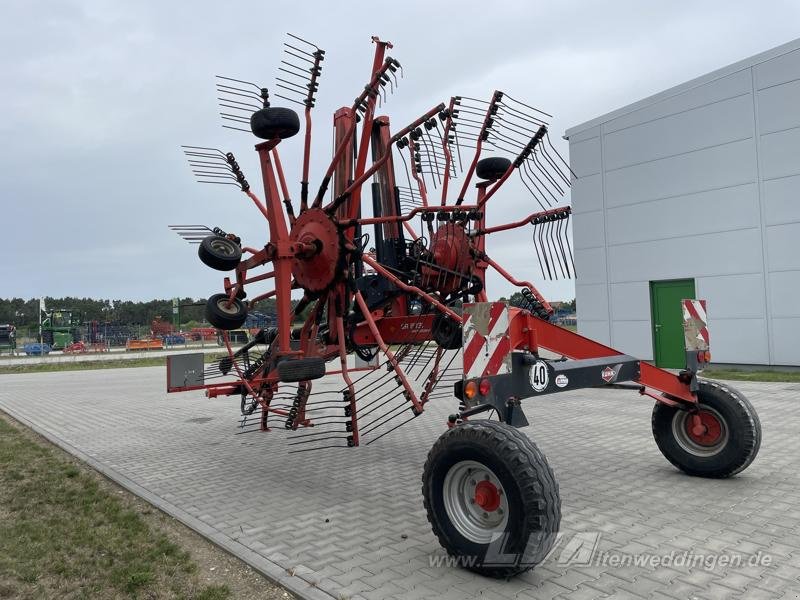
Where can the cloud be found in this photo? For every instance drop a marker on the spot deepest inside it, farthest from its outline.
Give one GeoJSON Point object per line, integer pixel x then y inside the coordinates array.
{"type": "Point", "coordinates": [98, 96]}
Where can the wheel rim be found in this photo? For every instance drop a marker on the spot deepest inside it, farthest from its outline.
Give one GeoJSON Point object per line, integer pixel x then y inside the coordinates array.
{"type": "Point", "coordinates": [223, 246]}
{"type": "Point", "coordinates": [703, 433]}
{"type": "Point", "coordinates": [222, 304]}
{"type": "Point", "coordinates": [475, 501]}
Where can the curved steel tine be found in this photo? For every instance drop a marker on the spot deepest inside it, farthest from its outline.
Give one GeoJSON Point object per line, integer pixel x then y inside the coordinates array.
{"type": "Point", "coordinates": [528, 106]}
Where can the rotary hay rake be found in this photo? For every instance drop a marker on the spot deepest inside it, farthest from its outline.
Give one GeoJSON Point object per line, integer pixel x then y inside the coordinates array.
{"type": "Point", "coordinates": [412, 303]}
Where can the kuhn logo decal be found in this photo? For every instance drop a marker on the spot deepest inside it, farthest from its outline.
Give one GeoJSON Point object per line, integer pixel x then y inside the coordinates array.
{"type": "Point", "coordinates": [608, 374]}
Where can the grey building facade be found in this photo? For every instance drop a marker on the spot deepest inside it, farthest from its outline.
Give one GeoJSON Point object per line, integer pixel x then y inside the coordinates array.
{"type": "Point", "coordinates": [697, 186]}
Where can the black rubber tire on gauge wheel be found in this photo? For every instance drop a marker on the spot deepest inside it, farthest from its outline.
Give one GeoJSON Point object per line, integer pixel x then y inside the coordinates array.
{"type": "Point", "coordinates": [492, 167]}
{"type": "Point", "coordinates": [274, 122]}
{"type": "Point", "coordinates": [225, 317]}
{"type": "Point", "coordinates": [492, 499]}
{"type": "Point", "coordinates": [301, 369]}
{"type": "Point", "coordinates": [725, 441]}
{"type": "Point", "coordinates": [446, 332]}
{"type": "Point", "coordinates": [219, 253]}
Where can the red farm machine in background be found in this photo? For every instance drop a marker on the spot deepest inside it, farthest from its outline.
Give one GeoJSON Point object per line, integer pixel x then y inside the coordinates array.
{"type": "Point", "coordinates": [388, 257]}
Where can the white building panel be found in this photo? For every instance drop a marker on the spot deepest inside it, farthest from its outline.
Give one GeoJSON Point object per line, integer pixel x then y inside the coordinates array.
{"type": "Point", "coordinates": [586, 157]}
{"type": "Point", "coordinates": [587, 193]}
{"type": "Point", "coordinates": [735, 84]}
{"type": "Point", "coordinates": [634, 338]}
{"type": "Point", "coordinates": [783, 247]}
{"type": "Point", "coordinates": [739, 341]}
{"type": "Point", "coordinates": [779, 69]}
{"type": "Point", "coordinates": [780, 153]}
{"type": "Point", "coordinates": [588, 230]}
{"type": "Point", "coordinates": [701, 182]}
{"type": "Point", "coordinates": [592, 132]}
{"type": "Point", "coordinates": [630, 301]}
{"type": "Point", "coordinates": [712, 168]}
{"type": "Point", "coordinates": [782, 200]}
{"type": "Point", "coordinates": [733, 296]}
{"type": "Point", "coordinates": [595, 330]}
{"type": "Point", "coordinates": [778, 107]}
{"type": "Point", "coordinates": [786, 350]}
{"type": "Point", "coordinates": [595, 307]}
{"type": "Point", "coordinates": [784, 286]}
{"type": "Point", "coordinates": [591, 265]}
{"type": "Point", "coordinates": [724, 253]}
{"type": "Point", "coordinates": [693, 214]}
{"type": "Point", "coordinates": [704, 127]}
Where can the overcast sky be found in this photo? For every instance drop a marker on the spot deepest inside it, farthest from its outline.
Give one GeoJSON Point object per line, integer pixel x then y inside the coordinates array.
{"type": "Point", "coordinates": [96, 98]}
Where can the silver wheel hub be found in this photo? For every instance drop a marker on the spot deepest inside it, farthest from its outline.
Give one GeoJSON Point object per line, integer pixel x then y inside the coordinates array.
{"type": "Point", "coordinates": [222, 304]}
{"type": "Point", "coordinates": [682, 424]}
{"type": "Point", "coordinates": [223, 246]}
{"type": "Point", "coordinates": [475, 501]}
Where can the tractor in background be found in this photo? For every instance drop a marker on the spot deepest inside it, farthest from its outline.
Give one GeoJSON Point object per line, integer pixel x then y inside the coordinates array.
{"type": "Point", "coordinates": [8, 339]}
{"type": "Point", "coordinates": [60, 328]}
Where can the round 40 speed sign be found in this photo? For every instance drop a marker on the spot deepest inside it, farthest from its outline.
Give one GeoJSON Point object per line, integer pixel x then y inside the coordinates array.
{"type": "Point", "coordinates": [540, 376]}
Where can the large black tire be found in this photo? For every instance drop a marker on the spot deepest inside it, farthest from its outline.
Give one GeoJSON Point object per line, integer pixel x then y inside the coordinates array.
{"type": "Point", "coordinates": [47, 338]}
{"type": "Point", "coordinates": [225, 317]}
{"type": "Point", "coordinates": [493, 167]}
{"type": "Point", "coordinates": [274, 122]}
{"type": "Point", "coordinates": [219, 253]}
{"type": "Point", "coordinates": [301, 369]}
{"type": "Point", "coordinates": [725, 444]}
{"type": "Point", "coordinates": [446, 332]}
{"type": "Point", "coordinates": [505, 528]}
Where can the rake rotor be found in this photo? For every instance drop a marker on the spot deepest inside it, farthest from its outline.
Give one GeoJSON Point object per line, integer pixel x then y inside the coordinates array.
{"type": "Point", "coordinates": [381, 288]}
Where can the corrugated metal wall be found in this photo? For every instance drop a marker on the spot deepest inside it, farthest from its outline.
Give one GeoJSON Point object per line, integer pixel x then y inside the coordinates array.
{"type": "Point", "coordinates": [701, 181]}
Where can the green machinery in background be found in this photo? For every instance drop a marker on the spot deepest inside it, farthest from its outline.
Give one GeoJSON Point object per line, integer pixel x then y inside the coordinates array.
{"type": "Point", "coordinates": [60, 328]}
{"type": "Point", "coordinates": [8, 339]}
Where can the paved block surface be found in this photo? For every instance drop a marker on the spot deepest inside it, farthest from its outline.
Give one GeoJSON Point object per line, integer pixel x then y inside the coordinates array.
{"type": "Point", "coordinates": [350, 523]}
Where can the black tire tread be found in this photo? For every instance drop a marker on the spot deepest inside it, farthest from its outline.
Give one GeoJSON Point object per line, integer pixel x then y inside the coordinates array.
{"type": "Point", "coordinates": [301, 369]}
{"type": "Point", "coordinates": [492, 167]}
{"type": "Point", "coordinates": [213, 260]}
{"type": "Point", "coordinates": [274, 122]}
{"type": "Point", "coordinates": [534, 474]}
{"type": "Point", "coordinates": [221, 320]}
{"type": "Point", "coordinates": [744, 411]}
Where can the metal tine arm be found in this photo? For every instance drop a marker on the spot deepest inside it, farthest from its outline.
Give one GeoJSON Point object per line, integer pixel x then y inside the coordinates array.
{"type": "Point", "coordinates": [242, 105]}
{"type": "Point", "coordinates": [514, 113]}
{"type": "Point", "coordinates": [561, 158]}
{"type": "Point", "coordinates": [533, 108]}
{"type": "Point", "coordinates": [234, 118]}
{"type": "Point", "coordinates": [360, 104]}
{"type": "Point", "coordinates": [289, 99]}
{"type": "Point", "coordinates": [193, 234]}
{"type": "Point", "coordinates": [533, 176]}
{"type": "Point", "coordinates": [558, 170]}
{"type": "Point", "coordinates": [546, 173]}
{"type": "Point", "coordinates": [298, 56]}
{"type": "Point", "coordinates": [528, 150]}
{"type": "Point", "coordinates": [491, 109]}
{"type": "Point", "coordinates": [224, 166]}
{"type": "Point", "coordinates": [235, 98]}
{"type": "Point", "coordinates": [299, 72]}
{"type": "Point", "coordinates": [516, 129]}
{"type": "Point", "coordinates": [468, 110]}
{"type": "Point", "coordinates": [250, 83]}
{"type": "Point", "coordinates": [230, 89]}
{"type": "Point", "coordinates": [212, 151]}
{"type": "Point", "coordinates": [537, 194]}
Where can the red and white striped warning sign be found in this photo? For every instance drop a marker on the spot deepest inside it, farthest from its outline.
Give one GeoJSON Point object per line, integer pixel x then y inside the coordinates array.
{"type": "Point", "coordinates": [695, 325]}
{"type": "Point", "coordinates": [486, 344]}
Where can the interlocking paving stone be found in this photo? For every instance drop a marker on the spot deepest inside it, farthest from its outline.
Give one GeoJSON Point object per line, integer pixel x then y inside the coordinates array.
{"type": "Point", "coordinates": [350, 523]}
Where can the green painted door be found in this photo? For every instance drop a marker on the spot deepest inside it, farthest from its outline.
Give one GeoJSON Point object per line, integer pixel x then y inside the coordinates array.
{"type": "Point", "coordinates": [665, 304]}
